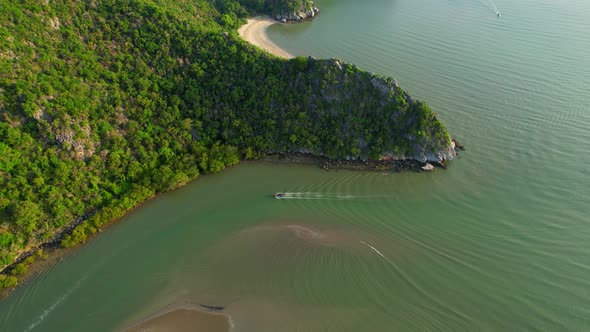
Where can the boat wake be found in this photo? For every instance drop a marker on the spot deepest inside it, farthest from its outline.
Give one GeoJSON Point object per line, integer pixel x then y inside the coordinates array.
{"type": "Point", "coordinates": [52, 307]}
{"type": "Point", "coordinates": [495, 8]}
{"type": "Point", "coordinates": [374, 250]}
{"type": "Point", "coordinates": [316, 195]}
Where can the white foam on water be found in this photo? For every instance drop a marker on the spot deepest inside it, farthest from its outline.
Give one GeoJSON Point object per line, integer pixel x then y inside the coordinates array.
{"type": "Point", "coordinates": [316, 195]}
{"type": "Point", "coordinates": [52, 307]}
{"type": "Point", "coordinates": [496, 11]}
{"type": "Point", "coordinates": [374, 249]}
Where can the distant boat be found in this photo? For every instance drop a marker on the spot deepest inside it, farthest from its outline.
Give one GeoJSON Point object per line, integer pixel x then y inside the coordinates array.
{"type": "Point", "coordinates": [212, 307]}
{"type": "Point", "coordinates": [280, 195]}
{"type": "Point", "coordinates": [498, 14]}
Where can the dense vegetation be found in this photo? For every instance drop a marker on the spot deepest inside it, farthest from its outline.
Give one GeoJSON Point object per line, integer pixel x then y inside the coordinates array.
{"type": "Point", "coordinates": [272, 6]}
{"type": "Point", "coordinates": [105, 103]}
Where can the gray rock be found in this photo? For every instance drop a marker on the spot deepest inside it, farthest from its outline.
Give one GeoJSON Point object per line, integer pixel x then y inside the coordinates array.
{"type": "Point", "coordinates": [433, 151]}
{"type": "Point", "coordinates": [428, 167]}
{"type": "Point", "coordinates": [409, 99]}
{"type": "Point", "coordinates": [337, 63]}
{"type": "Point", "coordinates": [380, 84]}
{"type": "Point", "coordinates": [299, 15]}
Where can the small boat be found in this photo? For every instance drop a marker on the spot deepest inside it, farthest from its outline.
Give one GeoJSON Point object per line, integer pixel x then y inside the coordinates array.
{"type": "Point", "coordinates": [212, 307]}
{"type": "Point", "coordinates": [280, 195]}
{"type": "Point", "coordinates": [498, 14]}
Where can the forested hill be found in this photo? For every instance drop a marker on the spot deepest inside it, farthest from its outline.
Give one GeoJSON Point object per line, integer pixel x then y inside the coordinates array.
{"type": "Point", "coordinates": [267, 6]}
{"type": "Point", "coordinates": [104, 103]}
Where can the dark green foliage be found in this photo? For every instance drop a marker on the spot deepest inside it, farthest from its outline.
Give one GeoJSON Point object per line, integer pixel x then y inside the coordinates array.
{"type": "Point", "coordinates": [20, 269]}
{"type": "Point", "coordinates": [25, 216]}
{"type": "Point", "coordinates": [103, 104]}
{"type": "Point", "coordinates": [287, 6]}
{"type": "Point", "coordinates": [300, 63]}
{"type": "Point", "coordinates": [7, 281]}
{"type": "Point", "coordinates": [270, 6]}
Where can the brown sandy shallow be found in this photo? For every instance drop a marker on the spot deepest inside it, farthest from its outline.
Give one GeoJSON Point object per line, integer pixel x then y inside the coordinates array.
{"type": "Point", "coordinates": [254, 32]}
{"type": "Point", "coordinates": [307, 233]}
{"type": "Point", "coordinates": [184, 319]}
{"type": "Point", "coordinates": [290, 236]}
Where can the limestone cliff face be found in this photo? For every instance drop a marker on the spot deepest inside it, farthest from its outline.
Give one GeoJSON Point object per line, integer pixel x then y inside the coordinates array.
{"type": "Point", "coordinates": [427, 151]}
{"type": "Point", "coordinates": [371, 113]}
{"type": "Point", "coordinates": [299, 11]}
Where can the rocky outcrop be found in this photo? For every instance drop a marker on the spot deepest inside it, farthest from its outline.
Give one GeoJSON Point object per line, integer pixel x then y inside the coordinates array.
{"type": "Point", "coordinates": [299, 15]}
{"type": "Point", "coordinates": [372, 110]}
{"type": "Point", "coordinates": [423, 151]}
{"type": "Point", "coordinates": [428, 167]}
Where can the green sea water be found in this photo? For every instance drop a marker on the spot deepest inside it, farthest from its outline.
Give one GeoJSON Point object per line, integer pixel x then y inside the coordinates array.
{"type": "Point", "coordinates": [498, 242]}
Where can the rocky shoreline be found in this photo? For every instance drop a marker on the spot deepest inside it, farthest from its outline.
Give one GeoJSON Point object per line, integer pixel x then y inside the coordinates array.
{"type": "Point", "coordinates": [298, 16]}
{"type": "Point", "coordinates": [384, 165]}
{"type": "Point", "coordinates": [54, 243]}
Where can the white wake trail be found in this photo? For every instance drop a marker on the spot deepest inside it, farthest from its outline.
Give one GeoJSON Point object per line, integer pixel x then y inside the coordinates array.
{"type": "Point", "coordinates": [496, 11]}
{"type": "Point", "coordinates": [374, 249]}
{"type": "Point", "coordinates": [52, 307]}
{"type": "Point", "coordinates": [316, 195]}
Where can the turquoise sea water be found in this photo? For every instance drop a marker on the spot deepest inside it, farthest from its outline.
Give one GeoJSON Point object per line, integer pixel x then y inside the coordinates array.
{"type": "Point", "coordinates": [500, 241]}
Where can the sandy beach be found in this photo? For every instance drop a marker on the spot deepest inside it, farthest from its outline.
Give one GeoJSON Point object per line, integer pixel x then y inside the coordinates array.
{"type": "Point", "coordinates": [254, 32]}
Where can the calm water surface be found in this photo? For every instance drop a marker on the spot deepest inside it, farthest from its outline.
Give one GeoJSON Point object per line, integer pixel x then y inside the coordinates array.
{"type": "Point", "coordinates": [499, 241]}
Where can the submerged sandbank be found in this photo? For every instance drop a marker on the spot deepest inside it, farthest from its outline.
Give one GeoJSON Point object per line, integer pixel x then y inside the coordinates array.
{"type": "Point", "coordinates": [184, 319]}
{"type": "Point", "coordinates": [254, 32]}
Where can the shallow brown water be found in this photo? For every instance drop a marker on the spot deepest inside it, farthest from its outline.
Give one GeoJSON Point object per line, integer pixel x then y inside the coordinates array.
{"type": "Point", "coordinates": [183, 320]}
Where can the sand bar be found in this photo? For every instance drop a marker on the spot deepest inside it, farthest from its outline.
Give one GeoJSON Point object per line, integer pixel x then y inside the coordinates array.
{"type": "Point", "coordinates": [254, 32]}
{"type": "Point", "coordinates": [184, 319]}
